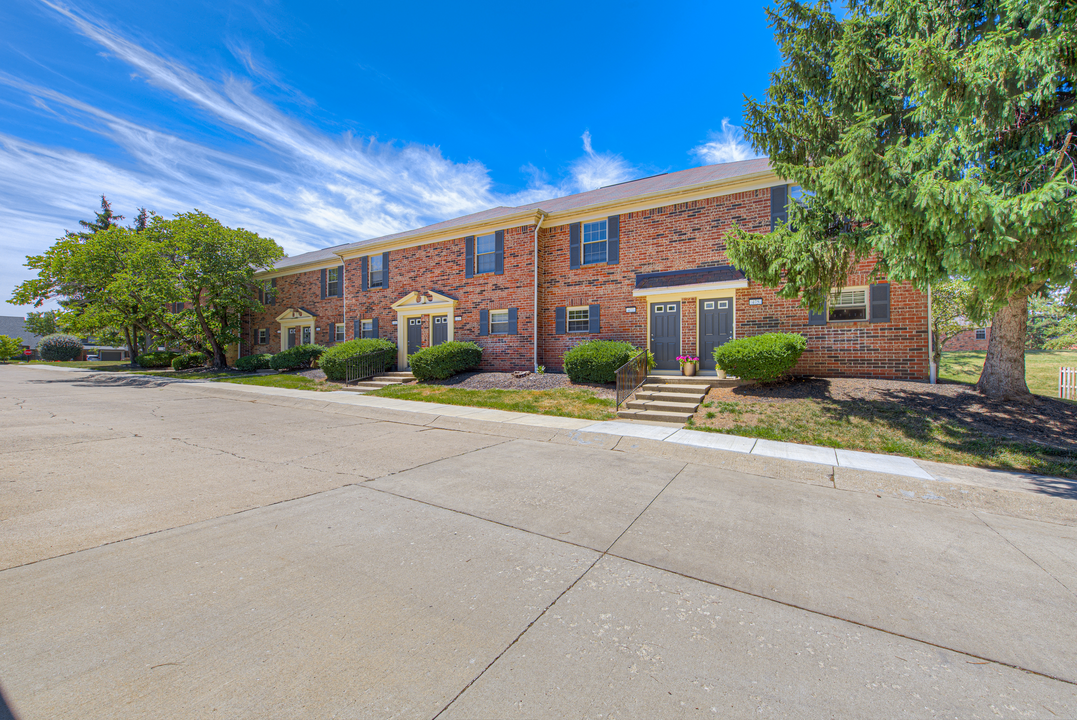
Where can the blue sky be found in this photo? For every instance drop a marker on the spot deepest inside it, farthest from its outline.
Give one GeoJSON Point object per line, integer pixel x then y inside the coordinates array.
{"type": "Point", "coordinates": [319, 123]}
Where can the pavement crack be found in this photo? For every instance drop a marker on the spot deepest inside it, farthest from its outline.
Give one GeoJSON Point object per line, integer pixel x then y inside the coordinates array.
{"type": "Point", "coordinates": [1030, 559]}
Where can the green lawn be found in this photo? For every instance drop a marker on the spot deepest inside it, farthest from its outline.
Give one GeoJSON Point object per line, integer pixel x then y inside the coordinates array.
{"type": "Point", "coordinates": [562, 403]}
{"type": "Point", "coordinates": [293, 382]}
{"type": "Point", "coordinates": [1041, 368]}
{"type": "Point", "coordinates": [106, 365]}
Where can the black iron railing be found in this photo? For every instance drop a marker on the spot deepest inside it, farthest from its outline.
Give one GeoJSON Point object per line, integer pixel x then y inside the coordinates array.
{"type": "Point", "coordinates": [630, 376]}
{"type": "Point", "coordinates": [366, 366]}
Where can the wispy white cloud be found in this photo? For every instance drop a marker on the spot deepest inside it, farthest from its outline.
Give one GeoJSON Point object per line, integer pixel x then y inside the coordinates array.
{"type": "Point", "coordinates": [304, 188]}
{"type": "Point", "coordinates": [726, 145]}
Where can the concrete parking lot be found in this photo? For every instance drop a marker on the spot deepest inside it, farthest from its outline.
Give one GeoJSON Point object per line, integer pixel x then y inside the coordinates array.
{"type": "Point", "coordinates": [178, 550]}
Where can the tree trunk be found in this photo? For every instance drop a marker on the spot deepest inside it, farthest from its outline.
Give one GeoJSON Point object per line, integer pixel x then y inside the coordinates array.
{"type": "Point", "coordinates": [132, 345]}
{"type": "Point", "coordinates": [1003, 376]}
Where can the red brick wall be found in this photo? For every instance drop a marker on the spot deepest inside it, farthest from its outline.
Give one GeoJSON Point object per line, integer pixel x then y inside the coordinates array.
{"type": "Point", "coordinates": [966, 340]}
{"type": "Point", "coordinates": [303, 289]}
{"type": "Point", "coordinates": [675, 237]}
{"type": "Point", "coordinates": [440, 267]}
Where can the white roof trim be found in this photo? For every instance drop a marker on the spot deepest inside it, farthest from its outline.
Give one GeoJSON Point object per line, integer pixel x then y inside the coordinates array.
{"type": "Point", "coordinates": [697, 288]}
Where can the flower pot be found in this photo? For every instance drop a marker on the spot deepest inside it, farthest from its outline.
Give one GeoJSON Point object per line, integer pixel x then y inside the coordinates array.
{"type": "Point", "coordinates": [721, 374]}
{"type": "Point", "coordinates": [688, 369]}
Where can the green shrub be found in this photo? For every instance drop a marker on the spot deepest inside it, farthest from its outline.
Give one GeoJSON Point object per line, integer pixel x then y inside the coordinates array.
{"type": "Point", "coordinates": [59, 347]}
{"type": "Point", "coordinates": [188, 361]}
{"type": "Point", "coordinates": [333, 361]}
{"type": "Point", "coordinates": [597, 361]}
{"type": "Point", "coordinates": [762, 357]}
{"type": "Point", "coordinates": [298, 358]}
{"type": "Point", "coordinates": [445, 360]}
{"type": "Point", "coordinates": [157, 359]}
{"type": "Point", "coordinates": [250, 363]}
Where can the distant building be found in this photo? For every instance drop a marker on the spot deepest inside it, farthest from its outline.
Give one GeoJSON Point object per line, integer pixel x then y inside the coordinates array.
{"type": "Point", "coordinates": [15, 327]}
{"type": "Point", "coordinates": [971, 339]}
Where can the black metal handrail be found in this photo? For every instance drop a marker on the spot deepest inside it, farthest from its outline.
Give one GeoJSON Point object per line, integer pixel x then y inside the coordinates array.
{"type": "Point", "coordinates": [630, 376]}
{"type": "Point", "coordinates": [367, 365]}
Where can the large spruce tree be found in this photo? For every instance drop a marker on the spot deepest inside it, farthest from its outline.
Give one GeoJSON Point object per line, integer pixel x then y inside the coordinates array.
{"type": "Point", "coordinates": [939, 134]}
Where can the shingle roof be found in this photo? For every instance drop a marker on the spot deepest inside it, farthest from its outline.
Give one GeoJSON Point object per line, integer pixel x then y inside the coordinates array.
{"type": "Point", "coordinates": [13, 327]}
{"type": "Point", "coordinates": [696, 276]}
{"type": "Point", "coordinates": [610, 193]}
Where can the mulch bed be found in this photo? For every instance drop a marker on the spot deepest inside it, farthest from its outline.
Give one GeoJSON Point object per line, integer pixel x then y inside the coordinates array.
{"type": "Point", "coordinates": [530, 381]}
{"type": "Point", "coordinates": [1048, 421]}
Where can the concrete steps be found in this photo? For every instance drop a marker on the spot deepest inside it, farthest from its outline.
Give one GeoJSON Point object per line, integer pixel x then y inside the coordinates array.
{"type": "Point", "coordinates": [667, 399]}
{"type": "Point", "coordinates": [380, 381]}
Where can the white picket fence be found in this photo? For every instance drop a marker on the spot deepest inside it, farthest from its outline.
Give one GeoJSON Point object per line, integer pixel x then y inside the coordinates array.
{"type": "Point", "coordinates": [1067, 383]}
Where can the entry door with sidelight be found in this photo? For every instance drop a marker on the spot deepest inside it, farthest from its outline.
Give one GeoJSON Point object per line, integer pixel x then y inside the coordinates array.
{"type": "Point", "coordinates": [666, 334]}
{"type": "Point", "coordinates": [440, 331]}
{"type": "Point", "coordinates": [715, 329]}
{"type": "Point", "coordinates": [415, 335]}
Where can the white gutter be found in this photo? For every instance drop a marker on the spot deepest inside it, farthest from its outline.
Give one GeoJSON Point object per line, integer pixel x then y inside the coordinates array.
{"type": "Point", "coordinates": [932, 370]}
{"type": "Point", "coordinates": [535, 317]}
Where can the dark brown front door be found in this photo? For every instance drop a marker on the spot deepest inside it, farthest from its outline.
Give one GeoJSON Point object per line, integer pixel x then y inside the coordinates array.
{"type": "Point", "coordinates": [666, 334]}
{"type": "Point", "coordinates": [715, 329]}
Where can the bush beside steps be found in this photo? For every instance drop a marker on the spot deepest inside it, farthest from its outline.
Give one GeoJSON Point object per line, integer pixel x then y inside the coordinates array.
{"type": "Point", "coordinates": [763, 358]}
{"type": "Point", "coordinates": [301, 357]}
{"type": "Point", "coordinates": [445, 360]}
{"type": "Point", "coordinates": [334, 360]}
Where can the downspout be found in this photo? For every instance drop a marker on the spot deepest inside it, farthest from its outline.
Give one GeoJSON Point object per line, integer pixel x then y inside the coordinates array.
{"type": "Point", "coordinates": [343, 301]}
{"type": "Point", "coordinates": [535, 317]}
{"type": "Point", "coordinates": [932, 370]}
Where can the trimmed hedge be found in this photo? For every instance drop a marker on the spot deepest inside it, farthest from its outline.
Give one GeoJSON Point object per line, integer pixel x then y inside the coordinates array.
{"type": "Point", "coordinates": [59, 347]}
{"type": "Point", "coordinates": [156, 359]}
{"type": "Point", "coordinates": [334, 359]}
{"type": "Point", "coordinates": [763, 357]}
{"type": "Point", "coordinates": [250, 363]}
{"type": "Point", "coordinates": [188, 361]}
{"type": "Point", "coordinates": [298, 358]}
{"type": "Point", "coordinates": [597, 361]}
{"type": "Point", "coordinates": [445, 360]}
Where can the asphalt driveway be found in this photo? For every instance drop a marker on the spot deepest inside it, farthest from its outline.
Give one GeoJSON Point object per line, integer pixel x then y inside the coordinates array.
{"type": "Point", "coordinates": [176, 550]}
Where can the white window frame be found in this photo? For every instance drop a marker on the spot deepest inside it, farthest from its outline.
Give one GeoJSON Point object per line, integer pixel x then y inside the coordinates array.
{"type": "Point", "coordinates": [847, 299]}
{"type": "Point", "coordinates": [595, 227]}
{"type": "Point", "coordinates": [504, 323]}
{"type": "Point", "coordinates": [267, 291]}
{"type": "Point", "coordinates": [380, 271]}
{"type": "Point", "coordinates": [585, 319]}
{"type": "Point", "coordinates": [338, 332]}
{"type": "Point", "coordinates": [366, 328]}
{"type": "Point", "coordinates": [263, 337]}
{"type": "Point", "coordinates": [332, 282]}
{"type": "Point", "coordinates": [491, 253]}
{"type": "Point", "coordinates": [980, 331]}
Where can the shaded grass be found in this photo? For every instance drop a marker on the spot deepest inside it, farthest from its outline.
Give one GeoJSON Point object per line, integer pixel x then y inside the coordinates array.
{"type": "Point", "coordinates": [292, 382]}
{"type": "Point", "coordinates": [104, 365]}
{"type": "Point", "coordinates": [1041, 368]}
{"type": "Point", "coordinates": [561, 402]}
{"type": "Point", "coordinates": [883, 427]}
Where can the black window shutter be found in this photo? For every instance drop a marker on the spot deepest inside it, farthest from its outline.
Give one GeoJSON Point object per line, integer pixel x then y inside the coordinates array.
{"type": "Point", "coordinates": [499, 252]}
{"type": "Point", "coordinates": [324, 271]}
{"type": "Point", "coordinates": [385, 269]}
{"type": "Point", "coordinates": [374, 328]}
{"type": "Point", "coordinates": [273, 284]}
{"type": "Point", "coordinates": [594, 324]}
{"type": "Point", "coordinates": [559, 323]}
{"type": "Point", "coordinates": [357, 329]}
{"type": "Point", "coordinates": [815, 318]}
{"type": "Point", "coordinates": [779, 205]}
{"type": "Point", "coordinates": [340, 281]}
{"type": "Point", "coordinates": [613, 240]}
{"type": "Point", "coordinates": [574, 246]}
{"type": "Point", "coordinates": [880, 302]}
{"type": "Point", "coordinates": [366, 275]}
{"type": "Point", "coordinates": [469, 256]}
{"type": "Point", "coordinates": [512, 322]}
{"type": "Point", "coordinates": [484, 322]}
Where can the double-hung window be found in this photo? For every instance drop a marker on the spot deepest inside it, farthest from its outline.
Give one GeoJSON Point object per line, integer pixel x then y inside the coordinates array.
{"type": "Point", "coordinates": [579, 319]}
{"type": "Point", "coordinates": [848, 305]}
{"type": "Point", "coordinates": [332, 282]}
{"type": "Point", "coordinates": [367, 329]}
{"type": "Point", "coordinates": [338, 332]}
{"type": "Point", "coordinates": [267, 292]}
{"type": "Point", "coordinates": [263, 337]}
{"type": "Point", "coordinates": [485, 254]}
{"type": "Point", "coordinates": [981, 333]}
{"type": "Point", "coordinates": [377, 271]}
{"type": "Point", "coordinates": [594, 242]}
{"type": "Point", "coordinates": [499, 322]}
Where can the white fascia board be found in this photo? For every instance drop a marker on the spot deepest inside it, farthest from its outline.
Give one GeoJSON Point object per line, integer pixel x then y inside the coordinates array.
{"type": "Point", "coordinates": [697, 288]}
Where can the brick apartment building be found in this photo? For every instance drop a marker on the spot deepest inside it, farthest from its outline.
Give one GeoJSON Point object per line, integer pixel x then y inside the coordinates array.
{"type": "Point", "coordinates": [971, 339]}
{"type": "Point", "coordinates": [643, 261]}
